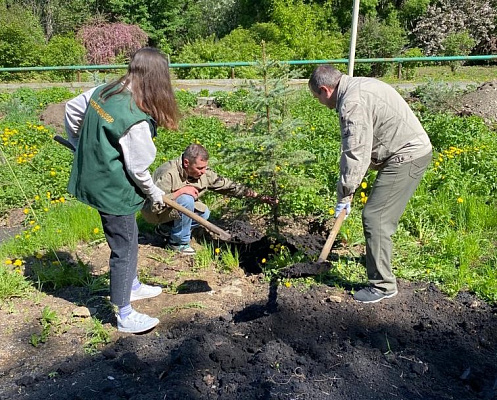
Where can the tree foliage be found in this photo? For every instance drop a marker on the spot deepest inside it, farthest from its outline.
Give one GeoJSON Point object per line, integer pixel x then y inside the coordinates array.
{"type": "Point", "coordinates": [476, 17]}
{"type": "Point", "coordinates": [21, 37]}
{"type": "Point", "coordinates": [63, 50]}
{"type": "Point", "coordinates": [60, 16]}
{"type": "Point", "coordinates": [378, 39]}
{"type": "Point", "coordinates": [105, 42]}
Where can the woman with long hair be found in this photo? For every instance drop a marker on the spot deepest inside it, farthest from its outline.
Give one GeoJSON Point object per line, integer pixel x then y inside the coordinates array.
{"type": "Point", "coordinates": [112, 128]}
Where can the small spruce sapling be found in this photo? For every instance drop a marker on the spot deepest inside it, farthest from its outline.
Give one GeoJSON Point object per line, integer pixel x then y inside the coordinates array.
{"type": "Point", "coordinates": [264, 149]}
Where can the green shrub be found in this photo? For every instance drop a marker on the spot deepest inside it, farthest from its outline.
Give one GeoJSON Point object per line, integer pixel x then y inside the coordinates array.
{"type": "Point", "coordinates": [439, 96]}
{"type": "Point", "coordinates": [63, 50]}
{"type": "Point", "coordinates": [409, 68]}
{"type": "Point", "coordinates": [378, 39]}
{"type": "Point", "coordinates": [458, 44]}
{"type": "Point", "coordinates": [21, 40]}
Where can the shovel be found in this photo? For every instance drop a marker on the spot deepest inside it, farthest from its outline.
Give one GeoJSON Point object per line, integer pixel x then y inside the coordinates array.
{"type": "Point", "coordinates": [223, 235]}
{"type": "Point", "coordinates": [331, 237]}
{"type": "Point", "coordinates": [320, 266]}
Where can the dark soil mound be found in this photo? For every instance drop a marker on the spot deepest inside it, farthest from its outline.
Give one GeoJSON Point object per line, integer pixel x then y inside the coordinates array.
{"type": "Point", "coordinates": [315, 344]}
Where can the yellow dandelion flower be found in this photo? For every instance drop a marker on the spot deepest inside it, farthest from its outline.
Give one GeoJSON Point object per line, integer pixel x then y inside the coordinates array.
{"type": "Point", "coordinates": [49, 195]}
{"type": "Point", "coordinates": [364, 185]}
{"type": "Point", "coordinates": [364, 200]}
{"type": "Point", "coordinates": [62, 200]}
{"type": "Point", "coordinates": [96, 230]}
{"type": "Point", "coordinates": [8, 261]}
{"type": "Point", "coordinates": [26, 211]}
{"type": "Point", "coordinates": [363, 194]}
{"type": "Point", "coordinates": [288, 284]}
{"type": "Point", "coordinates": [39, 255]}
{"type": "Point", "coordinates": [219, 145]}
{"type": "Point", "coordinates": [263, 261]}
{"type": "Point", "coordinates": [37, 228]}
{"type": "Point", "coordinates": [37, 197]}
{"type": "Point", "coordinates": [460, 200]}
{"type": "Point", "coordinates": [277, 168]}
{"type": "Point", "coordinates": [45, 209]}
{"type": "Point", "coordinates": [331, 211]}
{"type": "Point", "coordinates": [217, 250]}
{"type": "Point", "coordinates": [53, 173]}
{"type": "Point", "coordinates": [31, 222]}
{"type": "Point", "coordinates": [17, 263]}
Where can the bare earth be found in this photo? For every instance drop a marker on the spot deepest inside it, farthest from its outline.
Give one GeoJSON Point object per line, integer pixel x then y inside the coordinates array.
{"type": "Point", "coordinates": [236, 336]}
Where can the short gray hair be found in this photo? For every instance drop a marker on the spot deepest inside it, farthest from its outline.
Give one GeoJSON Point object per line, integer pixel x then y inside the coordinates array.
{"type": "Point", "coordinates": [195, 151]}
{"type": "Point", "coordinates": [324, 75]}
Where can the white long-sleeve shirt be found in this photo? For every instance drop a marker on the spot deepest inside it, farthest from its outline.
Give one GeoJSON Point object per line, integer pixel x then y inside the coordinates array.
{"type": "Point", "coordinates": [136, 144]}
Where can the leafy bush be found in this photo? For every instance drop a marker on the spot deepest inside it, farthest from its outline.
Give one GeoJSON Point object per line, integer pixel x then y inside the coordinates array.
{"type": "Point", "coordinates": [63, 50]}
{"type": "Point", "coordinates": [233, 101]}
{"type": "Point", "coordinates": [477, 17]}
{"type": "Point", "coordinates": [185, 99]}
{"type": "Point", "coordinates": [409, 68]}
{"type": "Point", "coordinates": [104, 42]}
{"type": "Point", "coordinates": [378, 39]}
{"type": "Point", "coordinates": [439, 96]}
{"type": "Point", "coordinates": [21, 40]}
{"type": "Point", "coordinates": [457, 44]}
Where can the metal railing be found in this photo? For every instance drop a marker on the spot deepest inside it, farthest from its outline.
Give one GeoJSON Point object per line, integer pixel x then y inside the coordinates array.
{"type": "Point", "coordinates": [235, 64]}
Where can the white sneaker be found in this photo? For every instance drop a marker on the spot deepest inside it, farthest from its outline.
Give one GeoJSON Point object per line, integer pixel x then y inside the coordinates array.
{"type": "Point", "coordinates": [136, 323]}
{"type": "Point", "coordinates": [145, 292]}
{"type": "Point", "coordinates": [185, 249]}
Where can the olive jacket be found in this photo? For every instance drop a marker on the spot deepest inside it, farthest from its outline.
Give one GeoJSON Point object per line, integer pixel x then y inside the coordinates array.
{"type": "Point", "coordinates": [171, 176]}
{"type": "Point", "coordinates": [377, 128]}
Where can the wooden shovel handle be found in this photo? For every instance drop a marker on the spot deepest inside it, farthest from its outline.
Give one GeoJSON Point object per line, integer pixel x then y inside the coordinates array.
{"type": "Point", "coordinates": [202, 221]}
{"type": "Point", "coordinates": [331, 238]}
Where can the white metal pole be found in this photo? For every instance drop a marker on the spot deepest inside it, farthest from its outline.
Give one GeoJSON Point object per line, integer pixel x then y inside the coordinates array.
{"type": "Point", "coordinates": [353, 37]}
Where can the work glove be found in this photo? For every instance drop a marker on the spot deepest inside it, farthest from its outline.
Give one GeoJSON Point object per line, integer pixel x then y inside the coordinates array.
{"type": "Point", "coordinates": [340, 206]}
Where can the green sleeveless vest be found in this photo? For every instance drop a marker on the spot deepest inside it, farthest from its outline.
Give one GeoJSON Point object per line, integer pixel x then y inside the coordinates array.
{"type": "Point", "coordinates": [98, 176]}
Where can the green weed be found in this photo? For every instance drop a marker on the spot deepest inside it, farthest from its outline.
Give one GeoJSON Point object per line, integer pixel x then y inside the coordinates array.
{"type": "Point", "coordinates": [12, 283]}
{"type": "Point", "coordinates": [175, 309]}
{"type": "Point", "coordinates": [50, 323]}
{"type": "Point", "coordinates": [96, 336]}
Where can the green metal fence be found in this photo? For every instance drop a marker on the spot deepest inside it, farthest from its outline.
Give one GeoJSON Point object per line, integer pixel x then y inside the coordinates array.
{"type": "Point", "coordinates": [234, 64]}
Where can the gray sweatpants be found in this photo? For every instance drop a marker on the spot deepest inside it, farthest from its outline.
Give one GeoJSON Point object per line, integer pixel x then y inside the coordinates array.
{"type": "Point", "coordinates": [392, 189]}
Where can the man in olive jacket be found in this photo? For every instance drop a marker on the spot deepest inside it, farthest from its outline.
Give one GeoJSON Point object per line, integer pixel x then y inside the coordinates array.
{"type": "Point", "coordinates": [185, 179]}
{"type": "Point", "coordinates": [378, 130]}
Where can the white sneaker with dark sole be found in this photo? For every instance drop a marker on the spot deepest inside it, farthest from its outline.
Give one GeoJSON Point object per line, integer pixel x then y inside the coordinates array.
{"type": "Point", "coordinates": [136, 323]}
{"type": "Point", "coordinates": [145, 292]}
{"type": "Point", "coordinates": [185, 249]}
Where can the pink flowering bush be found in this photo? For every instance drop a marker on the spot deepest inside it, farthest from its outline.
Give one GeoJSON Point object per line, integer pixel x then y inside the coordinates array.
{"type": "Point", "coordinates": [106, 41]}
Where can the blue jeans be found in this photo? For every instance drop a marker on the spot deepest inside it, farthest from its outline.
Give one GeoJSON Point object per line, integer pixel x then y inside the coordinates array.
{"type": "Point", "coordinates": [182, 227]}
{"type": "Point", "coordinates": [121, 232]}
